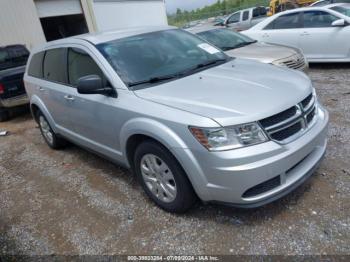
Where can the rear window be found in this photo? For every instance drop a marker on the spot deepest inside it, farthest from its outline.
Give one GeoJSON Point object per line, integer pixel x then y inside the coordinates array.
{"type": "Point", "coordinates": [55, 68]}
{"type": "Point", "coordinates": [259, 11]}
{"type": "Point", "coordinates": [13, 56]}
{"type": "Point", "coordinates": [36, 65]}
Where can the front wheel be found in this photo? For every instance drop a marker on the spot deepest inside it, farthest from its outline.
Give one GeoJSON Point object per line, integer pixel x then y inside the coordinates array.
{"type": "Point", "coordinates": [162, 178]}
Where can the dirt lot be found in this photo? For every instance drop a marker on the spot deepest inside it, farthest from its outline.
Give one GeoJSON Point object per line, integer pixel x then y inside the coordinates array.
{"type": "Point", "coordinates": [73, 202]}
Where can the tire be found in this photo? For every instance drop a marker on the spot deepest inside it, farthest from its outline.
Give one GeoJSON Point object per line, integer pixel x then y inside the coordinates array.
{"type": "Point", "coordinates": [51, 139]}
{"type": "Point", "coordinates": [162, 178]}
{"type": "Point", "coordinates": [4, 115]}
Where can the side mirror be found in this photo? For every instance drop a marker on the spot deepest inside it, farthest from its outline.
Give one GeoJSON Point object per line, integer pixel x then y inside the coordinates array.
{"type": "Point", "coordinates": [339, 22]}
{"type": "Point", "coordinates": [93, 84]}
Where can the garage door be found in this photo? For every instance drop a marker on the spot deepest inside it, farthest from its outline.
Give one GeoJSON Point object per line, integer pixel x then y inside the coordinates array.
{"type": "Point", "coordinates": [50, 8]}
{"type": "Point", "coordinates": [113, 14]}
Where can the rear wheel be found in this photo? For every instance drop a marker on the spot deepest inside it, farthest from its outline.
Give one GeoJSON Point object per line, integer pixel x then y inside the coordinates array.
{"type": "Point", "coordinates": [4, 114]}
{"type": "Point", "coordinates": [48, 134]}
{"type": "Point", "coordinates": [162, 178]}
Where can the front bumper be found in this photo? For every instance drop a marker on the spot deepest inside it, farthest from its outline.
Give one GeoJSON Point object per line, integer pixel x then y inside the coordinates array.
{"type": "Point", "coordinates": [14, 101]}
{"type": "Point", "coordinates": [230, 174]}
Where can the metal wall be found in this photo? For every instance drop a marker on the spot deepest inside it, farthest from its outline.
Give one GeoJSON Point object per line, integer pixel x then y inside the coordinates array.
{"type": "Point", "coordinates": [19, 23]}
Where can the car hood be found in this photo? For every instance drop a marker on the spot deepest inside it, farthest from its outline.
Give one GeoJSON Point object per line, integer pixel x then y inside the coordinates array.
{"type": "Point", "coordinates": [236, 92]}
{"type": "Point", "coordinates": [263, 52]}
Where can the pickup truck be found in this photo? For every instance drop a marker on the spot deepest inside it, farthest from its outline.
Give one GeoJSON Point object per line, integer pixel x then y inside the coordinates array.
{"type": "Point", "coordinates": [246, 18]}
{"type": "Point", "coordinates": [12, 67]}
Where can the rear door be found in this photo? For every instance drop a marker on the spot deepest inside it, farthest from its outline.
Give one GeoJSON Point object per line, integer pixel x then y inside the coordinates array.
{"type": "Point", "coordinates": [320, 40]}
{"type": "Point", "coordinates": [55, 91]}
{"type": "Point", "coordinates": [245, 24]}
{"type": "Point", "coordinates": [284, 29]}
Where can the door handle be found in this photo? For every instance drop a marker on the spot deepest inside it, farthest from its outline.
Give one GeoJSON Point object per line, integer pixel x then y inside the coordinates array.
{"type": "Point", "coordinates": [69, 98]}
{"type": "Point", "coordinates": [41, 89]}
{"type": "Point", "coordinates": [265, 35]}
{"type": "Point", "coordinates": [304, 33]}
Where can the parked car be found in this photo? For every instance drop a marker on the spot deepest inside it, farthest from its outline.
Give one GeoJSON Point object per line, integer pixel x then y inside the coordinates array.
{"type": "Point", "coordinates": [344, 9]}
{"type": "Point", "coordinates": [219, 21]}
{"type": "Point", "coordinates": [188, 120]}
{"type": "Point", "coordinates": [13, 59]}
{"type": "Point", "coordinates": [238, 45]}
{"type": "Point", "coordinates": [321, 33]}
{"type": "Point", "coordinates": [327, 2]}
{"type": "Point", "coordinates": [246, 18]}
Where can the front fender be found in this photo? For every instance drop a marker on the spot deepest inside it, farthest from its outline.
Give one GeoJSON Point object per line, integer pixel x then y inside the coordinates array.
{"type": "Point", "coordinates": [174, 143]}
{"type": "Point", "coordinates": [151, 128]}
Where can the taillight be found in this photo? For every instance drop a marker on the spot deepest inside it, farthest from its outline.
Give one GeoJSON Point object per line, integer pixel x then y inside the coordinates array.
{"type": "Point", "coordinates": [2, 89]}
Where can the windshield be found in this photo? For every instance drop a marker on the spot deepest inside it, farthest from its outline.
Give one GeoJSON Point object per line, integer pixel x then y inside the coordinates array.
{"type": "Point", "coordinates": [343, 10]}
{"type": "Point", "coordinates": [226, 39]}
{"type": "Point", "coordinates": [159, 56]}
{"type": "Point", "coordinates": [13, 56]}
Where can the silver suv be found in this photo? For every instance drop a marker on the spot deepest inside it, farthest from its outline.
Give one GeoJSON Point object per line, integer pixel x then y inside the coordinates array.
{"type": "Point", "coordinates": [190, 121]}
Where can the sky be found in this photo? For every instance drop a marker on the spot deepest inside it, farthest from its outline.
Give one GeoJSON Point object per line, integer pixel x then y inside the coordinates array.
{"type": "Point", "coordinates": [172, 5]}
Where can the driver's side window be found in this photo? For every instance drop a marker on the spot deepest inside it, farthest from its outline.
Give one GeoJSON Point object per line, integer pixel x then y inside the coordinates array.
{"type": "Point", "coordinates": [234, 18]}
{"type": "Point", "coordinates": [318, 19]}
{"type": "Point", "coordinates": [81, 64]}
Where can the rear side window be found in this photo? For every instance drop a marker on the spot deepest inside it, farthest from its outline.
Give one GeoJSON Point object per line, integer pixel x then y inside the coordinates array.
{"type": "Point", "coordinates": [36, 65]}
{"type": "Point", "coordinates": [54, 65]}
{"type": "Point", "coordinates": [245, 15]}
{"type": "Point", "coordinates": [288, 21]}
{"type": "Point", "coordinates": [81, 64]}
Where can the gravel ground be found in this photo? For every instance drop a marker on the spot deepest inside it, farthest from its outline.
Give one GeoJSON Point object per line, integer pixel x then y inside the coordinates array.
{"type": "Point", "coordinates": [73, 202]}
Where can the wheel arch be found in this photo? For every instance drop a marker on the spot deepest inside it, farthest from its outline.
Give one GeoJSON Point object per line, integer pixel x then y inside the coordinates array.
{"type": "Point", "coordinates": [36, 104]}
{"type": "Point", "coordinates": [138, 130]}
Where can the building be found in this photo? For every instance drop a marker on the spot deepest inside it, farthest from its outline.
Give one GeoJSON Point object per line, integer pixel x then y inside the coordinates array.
{"type": "Point", "coordinates": [33, 22]}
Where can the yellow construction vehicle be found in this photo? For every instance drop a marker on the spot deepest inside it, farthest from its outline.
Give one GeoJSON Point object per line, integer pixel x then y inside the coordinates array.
{"type": "Point", "coordinates": [277, 6]}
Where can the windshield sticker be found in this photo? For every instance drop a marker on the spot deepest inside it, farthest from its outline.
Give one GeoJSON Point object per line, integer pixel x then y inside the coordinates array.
{"type": "Point", "coordinates": [208, 48]}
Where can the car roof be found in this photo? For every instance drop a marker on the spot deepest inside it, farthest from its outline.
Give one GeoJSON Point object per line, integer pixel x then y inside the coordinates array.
{"type": "Point", "coordinates": [308, 8]}
{"type": "Point", "coordinates": [106, 36]}
{"type": "Point", "coordinates": [337, 4]}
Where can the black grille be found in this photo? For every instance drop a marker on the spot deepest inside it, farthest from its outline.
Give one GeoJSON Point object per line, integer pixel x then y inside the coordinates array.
{"type": "Point", "coordinates": [287, 132]}
{"type": "Point", "coordinates": [311, 116]}
{"type": "Point", "coordinates": [275, 119]}
{"type": "Point", "coordinates": [306, 101]}
{"type": "Point", "coordinates": [263, 187]}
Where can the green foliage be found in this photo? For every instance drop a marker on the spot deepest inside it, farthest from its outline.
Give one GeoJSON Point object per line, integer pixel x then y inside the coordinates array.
{"type": "Point", "coordinates": [220, 8]}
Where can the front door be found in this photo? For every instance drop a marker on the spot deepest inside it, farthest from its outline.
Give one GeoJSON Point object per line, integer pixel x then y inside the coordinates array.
{"type": "Point", "coordinates": [96, 123]}
{"type": "Point", "coordinates": [319, 39]}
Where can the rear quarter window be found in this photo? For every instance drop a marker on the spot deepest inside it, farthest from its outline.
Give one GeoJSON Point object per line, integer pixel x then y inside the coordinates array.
{"type": "Point", "coordinates": [55, 67]}
{"type": "Point", "coordinates": [36, 65]}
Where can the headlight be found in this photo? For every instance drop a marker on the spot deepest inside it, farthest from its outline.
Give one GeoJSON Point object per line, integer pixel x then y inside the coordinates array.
{"type": "Point", "coordinates": [219, 139]}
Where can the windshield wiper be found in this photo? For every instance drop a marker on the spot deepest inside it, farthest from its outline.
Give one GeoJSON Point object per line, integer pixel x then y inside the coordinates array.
{"type": "Point", "coordinates": [226, 48]}
{"type": "Point", "coordinates": [158, 79]}
{"type": "Point", "coordinates": [153, 80]}
{"type": "Point", "coordinates": [204, 65]}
